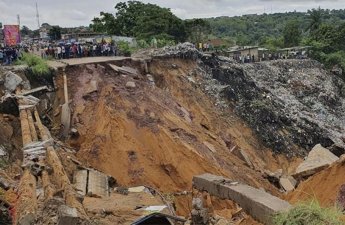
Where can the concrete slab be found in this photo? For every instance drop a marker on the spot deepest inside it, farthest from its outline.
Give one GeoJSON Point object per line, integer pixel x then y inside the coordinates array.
{"type": "Point", "coordinates": [98, 184]}
{"type": "Point", "coordinates": [124, 70]}
{"type": "Point", "coordinates": [29, 92]}
{"type": "Point", "coordinates": [257, 203]}
{"type": "Point", "coordinates": [318, 159]}
{"type": "Point", "coordinates": [288, 183]}
{"type": "Point", "coordinates": [86, 60]}
{"type": "Point", "coordinates": [80, 181]}
{"type": "Point", "coordinates": [67, 215]}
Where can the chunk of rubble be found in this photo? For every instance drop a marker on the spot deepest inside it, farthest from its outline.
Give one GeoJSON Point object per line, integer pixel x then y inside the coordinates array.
{"type": "Point", "coordinates": [130, 84]}
{"type": "Point", "coordinates": [12, 81]}
{"type": "Point", "coordinates": [318, 159]}
{"type": "Point", "coordinates": [124, 70]}
{"type": "Point", "coordinates": [288, 183]}
{"type": "Point", "coordinates": [67, 215]}
{"type": "Point", "coordinates": [91, 88]}
{"type": "Point", "coordinates": [98, 184]}
{"type": "Point", "coordinates": [241, 154]}
{"type": "Point", "coordinates": [137, 189]}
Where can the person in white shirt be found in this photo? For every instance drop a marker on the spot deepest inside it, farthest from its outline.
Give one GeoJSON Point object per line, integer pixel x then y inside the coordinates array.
{"type": "Point", "coordinates": [59, 51]}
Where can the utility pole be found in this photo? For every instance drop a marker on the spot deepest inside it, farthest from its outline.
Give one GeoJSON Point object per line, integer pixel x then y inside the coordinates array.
{"type": "Point", "coordinates": [18, 20]}
{"type": "Point", "coordinates": [38, 17]}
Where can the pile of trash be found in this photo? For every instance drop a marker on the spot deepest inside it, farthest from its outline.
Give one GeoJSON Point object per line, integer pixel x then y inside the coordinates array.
{"type": "Point", "coordinates": [291, 104]}
{"type": "Point", "coordinates": [184, 50]}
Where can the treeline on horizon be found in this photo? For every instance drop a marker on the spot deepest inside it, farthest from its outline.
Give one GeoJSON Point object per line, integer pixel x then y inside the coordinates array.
{"type": "Point", "coordinates": [321, 29]}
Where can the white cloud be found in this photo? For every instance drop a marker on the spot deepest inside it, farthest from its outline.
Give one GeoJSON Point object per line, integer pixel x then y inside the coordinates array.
{"type": "Point", "coordinates": [70, 13]}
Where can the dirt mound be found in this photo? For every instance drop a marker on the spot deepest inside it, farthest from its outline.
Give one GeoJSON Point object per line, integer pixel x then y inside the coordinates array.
{"type": "Point", "coordinates": [324, 186]}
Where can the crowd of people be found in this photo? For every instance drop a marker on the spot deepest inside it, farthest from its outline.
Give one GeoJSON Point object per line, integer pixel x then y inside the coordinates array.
{"type": "Point", "coordinates": [76, 50]}
{"type": "Point", "coordinates": [10, 54]}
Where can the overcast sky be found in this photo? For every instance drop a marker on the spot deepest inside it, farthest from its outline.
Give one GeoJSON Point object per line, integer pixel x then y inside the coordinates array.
{"type": "Point", "coordinates": [71, 13]}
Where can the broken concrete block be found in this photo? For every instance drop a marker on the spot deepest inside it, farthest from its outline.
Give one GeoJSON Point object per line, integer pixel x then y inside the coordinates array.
{"type": "Point", "coordinates": [130, 84]}
{"type": "Point", "coordinates": [67, 215]}
{"type": "Point", "coordinates": [318, 159]}
{"type": "Point", "coordinates": [124, 69]}
{"type": "Point", "coordinates": [98, 184]}
{"type": "Point", "coordinates": [259, 204]}
{"type": "Point", "coordinates": [12, 81]}
{"type": "Point", "coordinates": [288, 183]}
{"type": "Point", "coordinates": [137, 189]}
{"type": "Point", "coordinates": [80, 181]}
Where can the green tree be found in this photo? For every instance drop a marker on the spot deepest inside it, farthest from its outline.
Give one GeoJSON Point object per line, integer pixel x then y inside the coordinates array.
{"type": "Point", "coordinates": [197, 30]}
{"type": "Point", "coordinates": [105, 24]}
{"type": "Point", "coordinates": [141, 20]}
{"type": "Point", "coordinates": [55, 33]}
{"type": "Point", "coordinates": [315, 16]}
{"type": "Point", "coordinates": [292, 34]}
{"type": "Point", "coordinates": [25, 31]}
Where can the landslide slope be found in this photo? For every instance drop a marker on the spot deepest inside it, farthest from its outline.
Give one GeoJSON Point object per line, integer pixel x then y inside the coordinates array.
{"type": "Point", "coordinates": [163, 134]}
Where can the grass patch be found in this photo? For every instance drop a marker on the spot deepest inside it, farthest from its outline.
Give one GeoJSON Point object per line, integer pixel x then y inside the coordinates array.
{"type": "Point", "coordinates": [309, 213]}
{"type": "Point", "coordinates": [38, 65]}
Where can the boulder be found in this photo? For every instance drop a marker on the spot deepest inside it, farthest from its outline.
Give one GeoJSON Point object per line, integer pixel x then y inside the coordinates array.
{"type": "Point", "coordinates": [12, 81]}
{"type": "Point", "coordinates": [318, 159]}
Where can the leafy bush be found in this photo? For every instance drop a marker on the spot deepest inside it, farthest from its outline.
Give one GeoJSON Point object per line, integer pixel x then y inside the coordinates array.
{"type": "Point", "coordinates": [124, 48]}
{"type": "Point", "coordinates": [309, 213]}
{"type": "Point", "coordinates": [142, 44]}
{"type": "Point", "coordinates": [336, 58]}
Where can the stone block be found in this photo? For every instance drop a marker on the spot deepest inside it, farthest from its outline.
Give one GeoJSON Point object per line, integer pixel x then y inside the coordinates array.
{"type": "Point", "coordinates": [80, 182]}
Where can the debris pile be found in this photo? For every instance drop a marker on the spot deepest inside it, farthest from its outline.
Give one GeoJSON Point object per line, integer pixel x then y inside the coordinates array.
{"type": "Point", "coordinates": [291, 104]}
{"type": "Point", "coordinates": [183, 51]}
